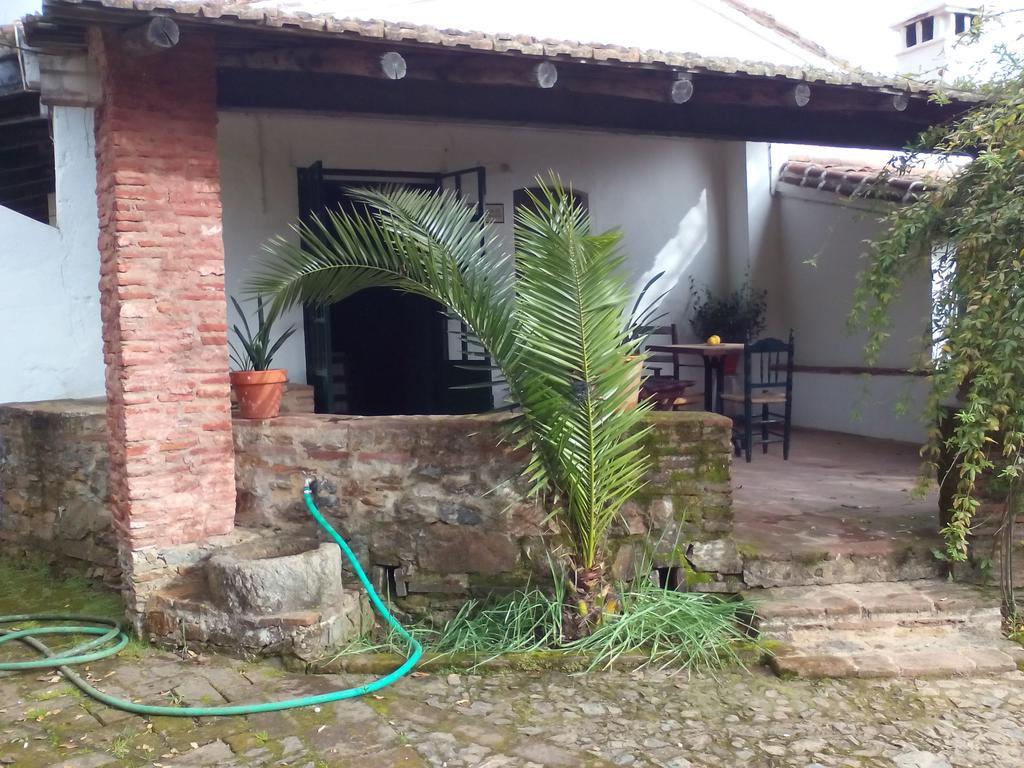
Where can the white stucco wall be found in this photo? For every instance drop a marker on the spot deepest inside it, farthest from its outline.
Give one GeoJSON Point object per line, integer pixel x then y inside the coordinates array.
{"type": "Point", "coordinates": [686, 207]}
{"type": "Point", "coordinates": [667, 195]}
{"type": "Point", "coordinates": [49, 292]}
{"type": "Point", "coordinates": [821, 242]}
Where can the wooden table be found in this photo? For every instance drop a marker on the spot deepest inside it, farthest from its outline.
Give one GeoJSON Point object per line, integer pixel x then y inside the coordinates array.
{"type": "Point", "coordinates": [714, 364]}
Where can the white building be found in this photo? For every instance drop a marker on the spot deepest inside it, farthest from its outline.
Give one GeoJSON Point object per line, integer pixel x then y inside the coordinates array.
{"type": "Point", "coordinates": [955, 43]}
{"type": "Point", "coordinates": [686, 172]}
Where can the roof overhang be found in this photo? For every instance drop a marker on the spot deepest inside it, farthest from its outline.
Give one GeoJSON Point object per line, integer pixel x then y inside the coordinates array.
{"type": "Point", "coordinates": [272, 61]}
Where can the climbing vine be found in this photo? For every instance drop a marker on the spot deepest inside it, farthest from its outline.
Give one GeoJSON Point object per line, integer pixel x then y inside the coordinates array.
{"type": "Point", "coordinates": [969, 230]}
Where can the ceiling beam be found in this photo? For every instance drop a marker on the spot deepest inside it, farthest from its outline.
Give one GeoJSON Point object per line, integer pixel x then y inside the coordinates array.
{"type": "Point", "coordinates": [159, 34]}
{"type": "Point", "coordinates": [36, 173]}
{"type": "Point", "coordinates": [706, 114]}
{"type": "Point", "coordinates": [22, 131]}
{"type": "Point", "coordinates": [660, 85]}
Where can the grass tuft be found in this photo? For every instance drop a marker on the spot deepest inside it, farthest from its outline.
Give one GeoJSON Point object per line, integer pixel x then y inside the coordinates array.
{"type": "Point", "coordinates": [31, 585]}
{"type": "Point", "coordinates": [690, 630]}
{"type": "Point", "coordinates": [121, 746]}
{"type": "Point", "coordinates": [686, 630]}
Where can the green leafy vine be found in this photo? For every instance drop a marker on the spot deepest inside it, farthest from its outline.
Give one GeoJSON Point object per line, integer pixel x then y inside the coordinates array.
{"type": "Point", "coordinates": [968, 229]}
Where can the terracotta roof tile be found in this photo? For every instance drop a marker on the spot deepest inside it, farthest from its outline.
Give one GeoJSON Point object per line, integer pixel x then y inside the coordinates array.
{"type": "Point", "coordinates": [859, 180]}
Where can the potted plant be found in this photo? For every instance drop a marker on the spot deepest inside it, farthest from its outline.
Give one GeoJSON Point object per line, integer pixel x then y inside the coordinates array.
{"type": "Point", "coordinates": [734, 318]}
{"type": "Point", "coordinates": [257, 386]}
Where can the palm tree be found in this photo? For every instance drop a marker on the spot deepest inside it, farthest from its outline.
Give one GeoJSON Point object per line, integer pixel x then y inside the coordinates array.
{"type": "Point", "coordinates": [553, 319]}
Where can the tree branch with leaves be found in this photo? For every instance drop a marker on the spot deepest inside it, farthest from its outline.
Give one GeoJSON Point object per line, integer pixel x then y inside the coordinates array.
{"type": "Point", "coordinates": [969, 232]}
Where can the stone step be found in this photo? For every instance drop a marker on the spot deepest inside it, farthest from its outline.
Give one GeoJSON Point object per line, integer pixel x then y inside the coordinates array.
{"type": "Point", "coordinates": [922, 628]}
{"type": "Point", "coordinates": [781, 611]}
{"type": "Point", "coordinates": [915, 654]}
{"type": "Point", "coordinates": [804, 569]}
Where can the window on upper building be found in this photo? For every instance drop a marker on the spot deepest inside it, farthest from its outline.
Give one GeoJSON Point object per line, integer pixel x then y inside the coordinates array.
{"type": "Point", "coordinates": [962, 22]}
{"type": "Point", "coordinates": [927, 28]}
{"type": "Point", "coordinates": [920, 31]}
{"type": "Point", "coordinates": [911, 32]}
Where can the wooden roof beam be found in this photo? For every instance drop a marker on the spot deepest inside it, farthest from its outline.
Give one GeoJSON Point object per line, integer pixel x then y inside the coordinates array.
{"type": "Point", "coordinates": [774, 117]}
{"type": "Point", "coordinates": [662, 85]}
{"type": "Point", "coordinates": [158, 34]}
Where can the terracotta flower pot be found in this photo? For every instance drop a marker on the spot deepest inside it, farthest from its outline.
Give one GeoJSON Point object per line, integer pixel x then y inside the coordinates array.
{"type": "Point", "coordinates": [259, 392]}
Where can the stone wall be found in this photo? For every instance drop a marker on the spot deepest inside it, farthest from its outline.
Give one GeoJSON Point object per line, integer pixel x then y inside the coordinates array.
{"type": "Point", "coordinates": [53, 482]}
{"type": "Point", "coordinates": [435, 505]}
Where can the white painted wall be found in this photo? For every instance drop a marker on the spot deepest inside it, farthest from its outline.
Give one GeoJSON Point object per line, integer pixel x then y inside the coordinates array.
{"type": "Point", "coordinates": [667, 195]}
{"type": "Point", "coordinates": [686, 207]}
{"type": "Point", "coordinates": [49, 293]}
{"type": "Point", "coordinates": [822, 239]}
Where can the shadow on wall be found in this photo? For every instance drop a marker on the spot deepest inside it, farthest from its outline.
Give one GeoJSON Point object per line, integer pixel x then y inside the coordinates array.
{"type": "Point", "coordinates": [678, 255]}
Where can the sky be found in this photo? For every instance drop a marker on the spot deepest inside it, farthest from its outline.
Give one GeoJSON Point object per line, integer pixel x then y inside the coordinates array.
{"type": "Point", "coordinates": [857, 31]}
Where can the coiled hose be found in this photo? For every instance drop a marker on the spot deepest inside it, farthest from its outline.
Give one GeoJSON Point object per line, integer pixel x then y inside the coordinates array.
{"type": "Point", "coordinates": [110, 637]}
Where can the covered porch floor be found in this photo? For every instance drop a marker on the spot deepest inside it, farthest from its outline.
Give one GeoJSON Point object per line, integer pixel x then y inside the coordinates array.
{"type": "Point", "coordinates": [839, 494]}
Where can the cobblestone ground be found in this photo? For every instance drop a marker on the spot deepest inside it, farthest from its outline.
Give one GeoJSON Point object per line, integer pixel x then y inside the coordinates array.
{"type": "Point", "coordinates": [515, 719]}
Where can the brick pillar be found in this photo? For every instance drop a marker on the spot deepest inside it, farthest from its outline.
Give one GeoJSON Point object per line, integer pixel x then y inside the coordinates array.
{"type": "Point", "coordinates": [162, 295]}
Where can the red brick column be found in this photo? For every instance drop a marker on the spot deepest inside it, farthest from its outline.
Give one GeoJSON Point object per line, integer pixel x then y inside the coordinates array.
{"type": "Point", "coordinates": [162, 294]}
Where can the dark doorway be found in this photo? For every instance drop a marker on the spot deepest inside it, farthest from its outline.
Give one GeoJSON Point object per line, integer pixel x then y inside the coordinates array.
{"type": "Point", "coordinates": [382, 351]}
{"type": "Point", "coordinates": [524, 198]}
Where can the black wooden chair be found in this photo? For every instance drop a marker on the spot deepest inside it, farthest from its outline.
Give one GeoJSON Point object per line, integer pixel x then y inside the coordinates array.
{"type": "Point", "coordinates": [768, 383]}
{"type": "Point", "coordinates": [668, 391]}
{"type": "Point", "coordinates": [656, 364]}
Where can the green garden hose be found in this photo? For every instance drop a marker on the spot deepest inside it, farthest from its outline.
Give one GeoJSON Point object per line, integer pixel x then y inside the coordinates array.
{"type": "Point", "coordinates": [110, 638]}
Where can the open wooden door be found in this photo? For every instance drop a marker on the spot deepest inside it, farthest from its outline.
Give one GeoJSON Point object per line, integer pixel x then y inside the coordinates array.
{"type": "Point", "coordinates": [467, 369]}
{"type": "Point", "coordinates": [383, 351]}
{"type": "Point", "coordinates": [316, 318]}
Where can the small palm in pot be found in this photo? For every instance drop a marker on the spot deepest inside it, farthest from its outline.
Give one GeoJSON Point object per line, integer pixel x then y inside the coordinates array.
{"type": "Point", "coordinates": [258, 387]}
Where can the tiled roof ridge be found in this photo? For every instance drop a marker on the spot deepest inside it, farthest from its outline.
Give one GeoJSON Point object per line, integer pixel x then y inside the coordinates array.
{"type": "Point", "coordinates": [768, 21]}
{"type": "Point", "coordinates": [246, 13]}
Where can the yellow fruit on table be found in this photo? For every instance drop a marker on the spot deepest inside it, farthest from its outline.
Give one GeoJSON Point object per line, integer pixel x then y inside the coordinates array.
{"type": "Point", "coordinates": [712, 340]}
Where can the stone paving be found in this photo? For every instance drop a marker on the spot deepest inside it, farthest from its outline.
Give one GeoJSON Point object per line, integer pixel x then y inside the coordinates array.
{"type": "Point", "coordinates": [838, 494]}
{"type": "Point", "coordinates": [529, 719]}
